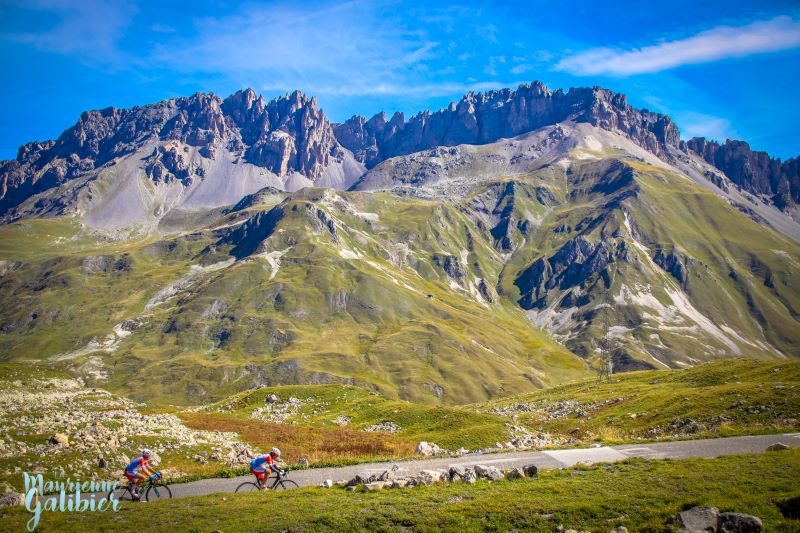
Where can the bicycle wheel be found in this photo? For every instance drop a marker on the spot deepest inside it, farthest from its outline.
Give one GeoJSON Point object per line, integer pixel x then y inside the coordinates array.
{"type": "Point", "coordinates": [248, 486]}
{"type": "Point", "coordinates": [122, 494]}
{"type": "Point", "coordinates": [286, 484]}
{"type": "Point", "coordinates": [157, 491]}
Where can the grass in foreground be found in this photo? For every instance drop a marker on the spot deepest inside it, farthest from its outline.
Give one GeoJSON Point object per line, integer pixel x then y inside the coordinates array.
{"type": "Point", "coordinates": [640, 495]}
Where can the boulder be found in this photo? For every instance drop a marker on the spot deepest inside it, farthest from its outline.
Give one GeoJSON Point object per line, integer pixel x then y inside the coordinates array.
{"type": "Point", "coordinates": [11, 499]}
{"type": "Point", "coordinates": [790, 508]}
{"type": "Point", "coordinates": [469, 477]}
{"type": "Point", "coordinates": [373, 486]}
{"type": "Point", "coordinates": [399, 483]}
{"type": "Point", "coordinates": [456, 472]}
{"type": "Point", "coordinates": [516, 473]}
{"type": "Point", "coordinates": [428, 449]}
{"type": "Point", "coordinates": [739, 523]}
{"type": "Point", "coordinates": [272, 399]}
{"type": "Point", "coordinates": [488, 472]}
{"type": "Point", "coordinates": [619, 529]}
{"type": "Point", "coordinates": [365, 477]}
{"type": "Point", "coordinates": [428, 477]}
{"type": "Point", "coordinates": [328, 483]}
{"type": "Point", "coordinates": [387, 475]}
{"type": "Point", "coordinates": [531, 470]}
{"type": "Point", "coordinates": [698, 519]}
{"type": "Point", "coordinates": [101, 463]}
{"type": "Point", "coordinates": [59, 439]}
{"type": "Point", "coordinates": [777, 447]}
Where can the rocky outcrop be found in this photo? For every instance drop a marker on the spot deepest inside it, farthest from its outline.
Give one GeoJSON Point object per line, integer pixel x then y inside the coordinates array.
{"type": "Point", "coordinates": [500, 210]}
{"type": "Point", "coordinates": [284, 135]}
{"type": "Point", "coordinates": [574, 264]}
{"type": "Point", "coordinates": [248, 238]}
{"type": "Point", "coordinates": [674, 263]}
{"type": "Point", "coordinates": [481, 118]}
{"type": "Point", "coordinates": [169, 163]}
{"type": "Point", "coordinates": [754, 172]}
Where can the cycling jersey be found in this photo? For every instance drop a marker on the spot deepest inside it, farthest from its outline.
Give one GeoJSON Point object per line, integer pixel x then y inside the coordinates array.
{"type": "Point", "coordinates": [134, 466]}
{"type": "Point", "coordinates": [260, 463]}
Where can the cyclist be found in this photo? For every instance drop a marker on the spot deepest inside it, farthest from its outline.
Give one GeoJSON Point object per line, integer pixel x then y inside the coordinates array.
{"type": "Point", "coordinates": [139, 470]}
{"type": "Point", "coordinates": [263, 464]}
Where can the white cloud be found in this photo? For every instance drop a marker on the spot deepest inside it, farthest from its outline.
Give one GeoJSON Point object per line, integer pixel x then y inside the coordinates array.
{"type": "Point", "coordinates": [694, 124]}
{"type": "Point", "coordinates": [349, 47]}
{"type": "Point", "coordinates": [494, 64]}
{"type": "Point", "coordinates": [780, 33]}
{"type": "Point", "coordinates": [401, 89]}
{"type": "Point", "coordinates": [89, 29]}
{"type": "Point", "coordinates": [522, 68]}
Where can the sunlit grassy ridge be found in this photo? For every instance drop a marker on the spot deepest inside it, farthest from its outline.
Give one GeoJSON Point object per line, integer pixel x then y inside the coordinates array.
{"type": "Point", "coordinates": [327, 406]}
{"type": "Point", "coordinates": [724, 398]}
{"type": "Point", "coordinates": [595, 498]}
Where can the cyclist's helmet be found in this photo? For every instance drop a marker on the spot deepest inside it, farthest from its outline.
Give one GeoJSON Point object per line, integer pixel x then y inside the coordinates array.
{"type": "Point", "coordinates": [147, 452]}
{"type": "Point", "coordinates": [276, 452]}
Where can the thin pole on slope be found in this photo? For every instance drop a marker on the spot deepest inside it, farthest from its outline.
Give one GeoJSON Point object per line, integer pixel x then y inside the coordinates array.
{"type": "Point", "coordinates": [604, 373]}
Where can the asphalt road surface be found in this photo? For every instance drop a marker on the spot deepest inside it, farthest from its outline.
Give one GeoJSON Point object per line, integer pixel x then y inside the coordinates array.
{"type": "Point", "coordinates": [542, 459]}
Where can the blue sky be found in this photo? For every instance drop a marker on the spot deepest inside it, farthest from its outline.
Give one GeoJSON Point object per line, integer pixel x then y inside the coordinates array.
{"type": "Point", "coordinates": [721, 69]}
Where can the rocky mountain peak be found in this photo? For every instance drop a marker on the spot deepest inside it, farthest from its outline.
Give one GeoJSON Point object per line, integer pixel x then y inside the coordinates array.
{"type": "Point", "coordinates": [755, 172]}
{"type": "Point", "coordinates": [287, 135]}
{"type": "Point", "coordinates": [485, 117]}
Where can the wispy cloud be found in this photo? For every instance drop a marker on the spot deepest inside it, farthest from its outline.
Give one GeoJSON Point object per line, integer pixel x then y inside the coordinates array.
{"type": "Point", "coordinates": [398, 89]}
{"type": "Point", "coordinates": [494, 64]}
{"type": "Point", "coordinates": [527, 63]}
{"type": "Point", "coordinates": [89, 29]}
{"type": "Point", "coordinates": [694, 124]}
{"type": "Point", "coordinates": [780, 33]}
{"type": "Point", "coordinates": [352, 46]}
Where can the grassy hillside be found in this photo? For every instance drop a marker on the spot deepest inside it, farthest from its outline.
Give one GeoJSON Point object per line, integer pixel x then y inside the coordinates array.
{"type": "Point", "coordinates": [679, 275]}
{"type": "Point", "coordinates": [325, 412]}
{"type": "Point", "coordinates": [724, 398]}
{"type": "Point", "coordinates": [329, 287]}
{"type": "Point", "coordinates": [594, 498]}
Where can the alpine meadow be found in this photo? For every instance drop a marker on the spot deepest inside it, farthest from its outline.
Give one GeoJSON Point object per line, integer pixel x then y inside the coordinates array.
{"type": "Point", "coordinates": [523, 308]}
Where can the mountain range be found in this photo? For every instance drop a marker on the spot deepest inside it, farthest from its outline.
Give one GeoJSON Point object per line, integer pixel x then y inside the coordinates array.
{"type": "Point", "coordinates": [209, 245]}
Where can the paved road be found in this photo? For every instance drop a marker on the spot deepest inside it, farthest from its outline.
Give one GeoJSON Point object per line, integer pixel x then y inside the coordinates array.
{"type": "Point", "coordinates": [543, 459]}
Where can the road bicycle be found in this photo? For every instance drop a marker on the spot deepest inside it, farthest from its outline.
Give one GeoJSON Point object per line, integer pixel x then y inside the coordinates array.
{"type": "Point", "coordinates": [280, 483]}
{"type": "Point", "coordinates": [152, 491]}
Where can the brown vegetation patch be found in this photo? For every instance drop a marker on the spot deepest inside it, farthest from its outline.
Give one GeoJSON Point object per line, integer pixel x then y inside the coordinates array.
{"type": "Point", "coordinates": [318, 445]}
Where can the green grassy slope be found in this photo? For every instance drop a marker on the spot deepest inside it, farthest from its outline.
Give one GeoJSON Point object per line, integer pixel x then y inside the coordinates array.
{"type": "Point", "coordinates": [369, 289]}
{"type": "Point", "coordinates": [723, 398]}
{"type": "Point", "coordinates": [328, 406]}
{"type": "Point", "coordinates": [679, 275]}
{"type": "Point", "coordinates": [594, 498]}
